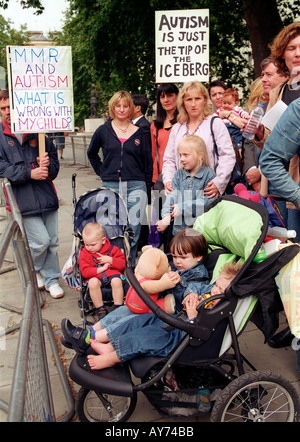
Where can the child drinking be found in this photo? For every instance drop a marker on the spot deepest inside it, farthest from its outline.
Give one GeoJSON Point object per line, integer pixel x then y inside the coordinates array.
{"type": "Point", "coordinates": [187, 200]}
{"type": "Point", "coordinates": [101, 265]}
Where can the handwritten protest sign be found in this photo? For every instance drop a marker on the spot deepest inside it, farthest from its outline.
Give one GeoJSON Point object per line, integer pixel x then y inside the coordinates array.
{"type": "Point", "coordinates": [182, 45]}
{"type": "Point", "coordinates": [41, 88]}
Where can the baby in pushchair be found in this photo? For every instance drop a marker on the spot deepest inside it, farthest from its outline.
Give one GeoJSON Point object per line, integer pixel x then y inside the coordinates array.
{"type": "Point", "coordinates": [101, 264]}
{"type": "Point", "coordinates": [101, 237]}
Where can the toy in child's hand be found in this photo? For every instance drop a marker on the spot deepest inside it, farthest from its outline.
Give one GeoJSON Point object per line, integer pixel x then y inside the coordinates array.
{"type": "Point", "coordinates": [153, 274]}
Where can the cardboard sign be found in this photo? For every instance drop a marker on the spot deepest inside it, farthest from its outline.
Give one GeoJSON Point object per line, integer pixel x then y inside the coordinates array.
{"type": "Point", "coordinates": [182, 45]}
{"type": "Point", "coordinates": [41, 88]}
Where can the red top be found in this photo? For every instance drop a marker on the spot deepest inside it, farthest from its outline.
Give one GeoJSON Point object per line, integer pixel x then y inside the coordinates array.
{"type": "Point", "coordinates": [88, 260]}
{"type": "Point", "coordinates": [134, 302]}
{"type": "Point", "coordinates": [163, 137]}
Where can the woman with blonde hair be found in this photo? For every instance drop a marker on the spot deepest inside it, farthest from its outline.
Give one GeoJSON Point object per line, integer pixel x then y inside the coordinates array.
{"type": "Point", "coordinates": [127, 162]}
{"type": "Point", "coordinates": [194, 118]}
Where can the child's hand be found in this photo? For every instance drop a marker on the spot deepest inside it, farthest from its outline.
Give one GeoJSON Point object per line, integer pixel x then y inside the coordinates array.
{"type": "Point", "coordinates": [163, 223]}
{"type": "Point", "coordinates": [104, 259]}
{"type": "Point", "coordinates": [174, 277]}
{"type": "Point", "coordinates": [170, 280]}
{"type": "Point", "coordinates": [102, 268]}
{"type": "Point", "coordinates": [175, 211]}
{"type": "Point", "coordinates": [190, 303]}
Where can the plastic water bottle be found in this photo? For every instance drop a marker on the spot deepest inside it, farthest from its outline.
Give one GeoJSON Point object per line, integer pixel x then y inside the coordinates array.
{"type": "Point", "coordinates": [281, 233]}
{"type": "Point", "coordinates": [253, 122]}
{"type": "Point", "coordinates": [272, 246]}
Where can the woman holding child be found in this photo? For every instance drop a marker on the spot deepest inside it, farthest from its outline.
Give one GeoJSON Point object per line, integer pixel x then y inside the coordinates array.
{"type": "Point", "coordinates": [127, 162]}
{"type": "Point", "coordinates": [194, 118]}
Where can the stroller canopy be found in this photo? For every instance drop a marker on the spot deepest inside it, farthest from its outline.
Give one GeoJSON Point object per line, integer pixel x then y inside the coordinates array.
{"type": "Point", "coordinates": [103, 206]}
{"type": "Point", "coordinates": [235, 224]}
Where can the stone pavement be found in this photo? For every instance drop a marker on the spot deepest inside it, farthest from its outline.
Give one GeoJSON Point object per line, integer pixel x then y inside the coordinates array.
{"type": "Point", "coordinates": [252, 341]}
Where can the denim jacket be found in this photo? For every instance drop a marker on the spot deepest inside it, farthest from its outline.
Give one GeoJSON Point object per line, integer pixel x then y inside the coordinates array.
{"type": "Point", "coordinates": [282, 144]}
{"type": "Point", "coordinates": [188, 284]}
{"type": "Point", "coordinates": [188, 196]}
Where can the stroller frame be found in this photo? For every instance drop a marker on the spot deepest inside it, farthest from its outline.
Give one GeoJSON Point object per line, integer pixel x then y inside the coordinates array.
{"type": "Point", "coordinates": [243, 394]}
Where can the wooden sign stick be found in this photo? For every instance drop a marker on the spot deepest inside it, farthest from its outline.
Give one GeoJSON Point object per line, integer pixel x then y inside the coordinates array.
{"type": "Point", "coordinates": [42, 148]}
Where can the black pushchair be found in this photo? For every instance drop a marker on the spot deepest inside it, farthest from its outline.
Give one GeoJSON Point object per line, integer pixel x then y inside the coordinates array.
{"type": "Point", "coordinates": [108, 209]}
{"type": "Point", "coordinates": [211, 373]}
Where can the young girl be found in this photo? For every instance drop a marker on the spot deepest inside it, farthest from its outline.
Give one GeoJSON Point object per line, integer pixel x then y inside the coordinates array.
{"type": "Point", "coordinates": [188, 249]}
{"type": "Point", "coordinates": [187, 199]}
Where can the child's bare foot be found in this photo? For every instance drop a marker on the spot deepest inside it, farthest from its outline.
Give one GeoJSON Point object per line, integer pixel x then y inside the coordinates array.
{"type": "Point", "coordinates": [97, 362]}
{"type": "Point", "coordinates": [100, 347]}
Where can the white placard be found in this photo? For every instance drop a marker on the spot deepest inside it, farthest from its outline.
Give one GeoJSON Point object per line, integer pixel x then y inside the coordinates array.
{"type": "Point", "coordinates": [182, 45]}
{"type": "Point", "coordinates": [41, 88]}
{"type": "Point", "coordinates": [272, 116]}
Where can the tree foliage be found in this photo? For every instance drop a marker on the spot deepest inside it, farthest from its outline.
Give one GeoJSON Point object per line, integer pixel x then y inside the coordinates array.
{"type": "Point", "coordinates": [35, 4]}
{"type": "Point", "coordinates": [113, 42]}
{"type": "Point", "coordinates": [9, 36]}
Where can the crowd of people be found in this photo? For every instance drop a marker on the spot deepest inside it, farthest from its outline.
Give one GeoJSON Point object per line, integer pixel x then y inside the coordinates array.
{"type": "Point", "coordinates": [180, 162]}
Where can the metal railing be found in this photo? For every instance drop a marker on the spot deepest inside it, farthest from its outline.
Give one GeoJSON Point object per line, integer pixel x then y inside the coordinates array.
{"type": "Point", "coordinates": [79, 144]}
{"type": "Point", "coordinates": [31, 396]}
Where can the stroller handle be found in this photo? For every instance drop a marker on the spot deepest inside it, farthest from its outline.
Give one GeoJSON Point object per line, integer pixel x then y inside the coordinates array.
{"type": "Point", "coordinates": [74, 188]}
{"type": "Point", "coordinates": [195, 330]}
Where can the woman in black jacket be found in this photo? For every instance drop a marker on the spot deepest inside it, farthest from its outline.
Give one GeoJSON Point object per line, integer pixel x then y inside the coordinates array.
{"type": "Point", "coordinates": [127, 161]}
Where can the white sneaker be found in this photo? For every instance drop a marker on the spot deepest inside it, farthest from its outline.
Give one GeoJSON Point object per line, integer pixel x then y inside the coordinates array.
{"type": "Point", "coordinates": [40, 281]}
{"type": "Point", "coordinates": [55, 291]}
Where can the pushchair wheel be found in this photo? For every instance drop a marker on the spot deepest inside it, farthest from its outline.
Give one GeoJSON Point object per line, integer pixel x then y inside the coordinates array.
{"type": "Point", "coordinates": [257, 397]}
{"type": "Point", "coordinates": [99, 407]}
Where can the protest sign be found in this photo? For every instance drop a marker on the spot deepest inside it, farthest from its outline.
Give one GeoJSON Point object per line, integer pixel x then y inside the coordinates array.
{"type": "Point", "coordinates": [182, 45]}
{"type": "Point", "coordinates": [41, 88]}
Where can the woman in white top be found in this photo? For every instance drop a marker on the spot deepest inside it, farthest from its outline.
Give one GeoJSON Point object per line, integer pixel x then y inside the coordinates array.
{"type": "Point", "coordinates": [194, 118]}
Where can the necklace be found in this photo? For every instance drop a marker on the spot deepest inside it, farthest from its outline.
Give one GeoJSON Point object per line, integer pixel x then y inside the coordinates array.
{"type": "Point", "coordinates": [188, 128]}
{"type": "Point", "coordinates": [122, 130]}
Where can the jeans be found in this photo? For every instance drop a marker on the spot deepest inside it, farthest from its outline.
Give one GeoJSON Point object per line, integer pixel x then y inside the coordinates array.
{"type": "Point", "coordinates": [291, 218]}
{"type": "Point", "coordinates": [116, 317]}
{"type": "Point", "coordinates": [42, 234]}
{"type": "Point", "coordinates": [144, 335]}
{"type": "Point", "coordinates": [134, 194]}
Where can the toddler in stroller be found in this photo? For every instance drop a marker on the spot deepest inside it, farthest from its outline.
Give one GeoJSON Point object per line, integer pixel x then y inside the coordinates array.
{"type": "Point", "coordinates": [99, 207]}
{"type": "Point", "coordinates": [207, 358]}
{"type": "Point", "coordinates": [101, 265]}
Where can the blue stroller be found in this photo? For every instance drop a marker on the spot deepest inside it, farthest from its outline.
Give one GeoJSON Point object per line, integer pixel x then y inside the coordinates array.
{"type": "Point", "coordinates": [107, 208]}
{"type": "Point", "coordinates": [211, 373]}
